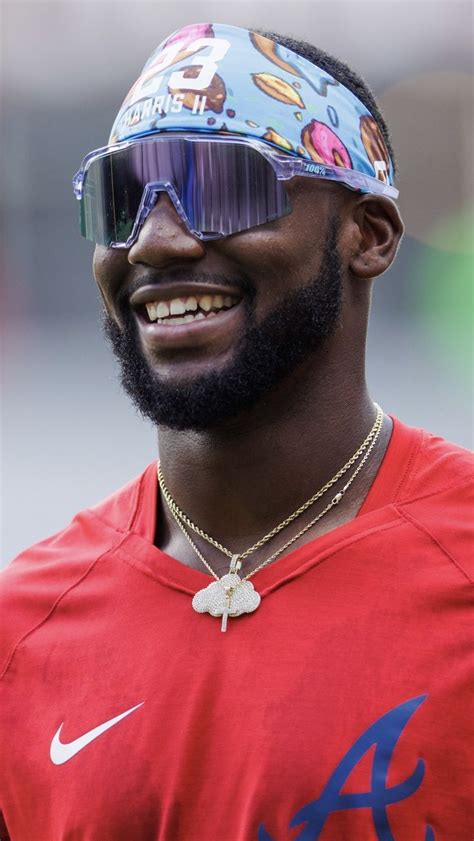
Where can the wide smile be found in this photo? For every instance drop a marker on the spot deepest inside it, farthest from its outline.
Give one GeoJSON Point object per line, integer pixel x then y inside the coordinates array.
{"type": "Point", "coordinates": [193, 318]}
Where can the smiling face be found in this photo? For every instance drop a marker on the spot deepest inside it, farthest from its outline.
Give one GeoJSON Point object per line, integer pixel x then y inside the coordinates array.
{"type": "Point", "coordinates": [261, 301]}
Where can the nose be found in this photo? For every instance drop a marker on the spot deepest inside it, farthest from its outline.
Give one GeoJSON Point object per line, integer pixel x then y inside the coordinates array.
{"type": "Point", "coordinates": [164, 238]}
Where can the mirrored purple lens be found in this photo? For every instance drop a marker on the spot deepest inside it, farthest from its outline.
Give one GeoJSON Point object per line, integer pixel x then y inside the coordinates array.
{"type": "Point", "coordinates": [218, 188]}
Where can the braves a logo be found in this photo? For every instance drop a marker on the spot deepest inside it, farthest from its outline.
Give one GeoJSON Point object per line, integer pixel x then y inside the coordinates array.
{"type": "Point", "coordinates": [384, 734]}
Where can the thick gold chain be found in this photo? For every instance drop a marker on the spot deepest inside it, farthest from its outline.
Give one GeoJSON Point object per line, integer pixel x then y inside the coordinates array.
{"type": "Point", "coordinates": [181, 518]}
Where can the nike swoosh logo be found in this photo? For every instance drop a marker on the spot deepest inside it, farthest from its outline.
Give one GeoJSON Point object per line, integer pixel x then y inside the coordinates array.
{"type": "Point", "coordinates": [61, 752]}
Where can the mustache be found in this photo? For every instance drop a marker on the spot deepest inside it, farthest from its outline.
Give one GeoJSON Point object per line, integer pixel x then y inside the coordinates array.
{"type": "Point", "coordinates": [179, 276]}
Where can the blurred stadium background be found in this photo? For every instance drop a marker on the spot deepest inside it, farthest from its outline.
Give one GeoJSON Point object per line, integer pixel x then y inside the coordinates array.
{"type": "Point", "coordinates": [69, 435]}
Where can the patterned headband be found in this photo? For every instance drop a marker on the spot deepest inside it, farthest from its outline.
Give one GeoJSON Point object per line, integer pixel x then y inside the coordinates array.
{"type": "Point", "coordinates": [211, 77]}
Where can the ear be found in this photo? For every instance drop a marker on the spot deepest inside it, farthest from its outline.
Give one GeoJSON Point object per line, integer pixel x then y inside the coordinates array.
{"type": "Point", "coordinates": [377, 229]}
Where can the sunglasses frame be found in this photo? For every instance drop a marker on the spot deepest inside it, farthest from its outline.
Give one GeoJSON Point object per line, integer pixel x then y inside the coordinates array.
{"type": "Point", "coordinates": [285, 166]}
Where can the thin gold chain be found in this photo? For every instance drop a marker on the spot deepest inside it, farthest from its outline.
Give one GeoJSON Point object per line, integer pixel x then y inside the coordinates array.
{"type": "Point", "coordinates": [198, 553]}
{"type": "Point", "coordinates": [175, 510]}
{"type": "Point", "coordinates": [335, 500]}
{"type": "Point", "coordinates": [369, 443]}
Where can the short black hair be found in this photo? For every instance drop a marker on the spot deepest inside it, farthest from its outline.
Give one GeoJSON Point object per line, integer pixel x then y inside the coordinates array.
{"type": "Point", "coordinates": [342, 72]}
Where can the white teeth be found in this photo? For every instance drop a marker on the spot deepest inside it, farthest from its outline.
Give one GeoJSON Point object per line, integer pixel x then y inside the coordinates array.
{"type": "Point", "coordinates": [185, 319]}
{"type": "Point", "coordinates": [205, 302]}
{"type": "Point", "coordinates": [162, 310]}
{"type": "Point", "coordinates": [177, 306]}
{"type": "Point", "coordinates": [151, 310]}
{"type": "Point", "coordinates": [190, 308]}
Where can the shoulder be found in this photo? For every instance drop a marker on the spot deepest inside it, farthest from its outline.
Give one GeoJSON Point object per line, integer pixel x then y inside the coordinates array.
{"type": "Point", "coordinates": [437, 469]}
{"type": "Point", "coordinates": [438, 463]}
{"type": "Point", "coordinates": [437, 494]}
{"type": "Point", "coordinates": [32, 584]}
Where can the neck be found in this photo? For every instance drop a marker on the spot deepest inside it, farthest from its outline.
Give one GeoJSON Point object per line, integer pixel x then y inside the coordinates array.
{"type": "Point", "coordinates": [237, 482]}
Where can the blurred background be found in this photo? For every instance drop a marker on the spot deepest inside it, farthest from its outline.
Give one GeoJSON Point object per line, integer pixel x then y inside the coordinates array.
{"type": "Point", "coordinates": [69, 436]}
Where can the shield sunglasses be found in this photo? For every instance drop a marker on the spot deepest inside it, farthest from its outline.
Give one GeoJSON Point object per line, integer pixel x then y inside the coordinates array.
{"type": "Point", "coordinates": [218, 185]}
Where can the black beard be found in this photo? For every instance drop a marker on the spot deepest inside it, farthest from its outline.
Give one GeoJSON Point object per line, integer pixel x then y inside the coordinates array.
{"type": "Point", "coordinates": [267, 353]}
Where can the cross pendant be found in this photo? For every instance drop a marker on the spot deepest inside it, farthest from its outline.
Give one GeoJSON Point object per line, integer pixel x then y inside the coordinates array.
{"type": "Point", "coordinates": [226, 613]}
{"type": "Point", "coordinates": [235, 566]}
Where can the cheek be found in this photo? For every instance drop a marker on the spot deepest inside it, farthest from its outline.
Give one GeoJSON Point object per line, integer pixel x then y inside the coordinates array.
{"type": "Point", "coordinates": [108, 268]}
{"type": "Point", "coordinates": [291, 243]}
{"type": "Point", "coordinates": [98, 260]}
{"type": "Point", "coordinates": [276, 258]}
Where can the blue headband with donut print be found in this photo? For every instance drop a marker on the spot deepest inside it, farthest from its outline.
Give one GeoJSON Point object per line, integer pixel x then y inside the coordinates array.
{"type": "Point", "coordinates": [220, 119]}
{"type": "Point", "coordinates": [211, 77]}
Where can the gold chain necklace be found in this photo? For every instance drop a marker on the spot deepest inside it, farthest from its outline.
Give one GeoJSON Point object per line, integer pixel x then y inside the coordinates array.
{"type": "Point", "coordinates": [172, 505]}
{"type": "Point", "coordinates": [231, 595]}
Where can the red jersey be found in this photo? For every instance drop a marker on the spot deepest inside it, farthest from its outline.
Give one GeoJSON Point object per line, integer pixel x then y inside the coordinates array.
{"type": "Point", "coordinates": [337, 711]}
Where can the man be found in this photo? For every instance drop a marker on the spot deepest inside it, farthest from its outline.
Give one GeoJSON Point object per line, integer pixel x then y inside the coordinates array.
{"type": "Point", "coordinates": [267, 638]}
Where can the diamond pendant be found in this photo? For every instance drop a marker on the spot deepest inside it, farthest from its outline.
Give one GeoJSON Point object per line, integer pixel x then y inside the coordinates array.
{"type": "Point", "coordinates": [230, 596]}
